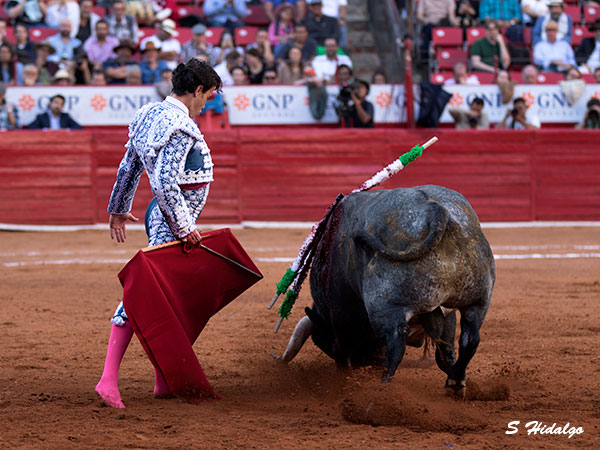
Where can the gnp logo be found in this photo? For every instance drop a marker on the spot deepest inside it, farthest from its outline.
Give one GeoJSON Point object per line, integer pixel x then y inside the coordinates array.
{"type": "Point", "coordinates": [26, 102]}
{"type": "Point", "coordinates": [241, 102]}
{"type": "Point", "coordinates": [456, 100]}
{"type": "Point", "coordinates": [384, 100]}
{"type": "Point", "coordinates": [98, 102]}
{"type": "Point", "coordinates": [529, 98]}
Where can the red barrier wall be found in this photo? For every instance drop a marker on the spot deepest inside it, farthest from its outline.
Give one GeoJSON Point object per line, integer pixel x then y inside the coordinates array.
{"type": "Point", "coordinates": [60, 177]}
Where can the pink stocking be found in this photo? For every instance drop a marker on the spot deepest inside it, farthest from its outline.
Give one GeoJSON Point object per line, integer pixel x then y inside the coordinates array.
{"type": "Point", "coordinates": [108, 386]}
{"type": "Point", "coordinates": [161, 389]}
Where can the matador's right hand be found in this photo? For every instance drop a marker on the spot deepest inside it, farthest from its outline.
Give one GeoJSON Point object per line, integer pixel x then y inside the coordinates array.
{"type": "Point", "coordinates": [117, 225]}
{"type": "Point", "coordinates": [193, 238]}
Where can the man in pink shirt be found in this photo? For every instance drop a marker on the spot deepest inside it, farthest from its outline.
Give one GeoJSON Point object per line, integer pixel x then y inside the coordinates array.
{"type": "Point", "coordinates": [99, 48]}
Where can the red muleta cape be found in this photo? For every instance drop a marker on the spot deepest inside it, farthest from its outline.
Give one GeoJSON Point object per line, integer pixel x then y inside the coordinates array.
{"type": "Point", "coordinates": [170, 292]}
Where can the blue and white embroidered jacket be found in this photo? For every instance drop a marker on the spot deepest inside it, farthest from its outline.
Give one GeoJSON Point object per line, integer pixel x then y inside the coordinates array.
{"type": "Point", "coordinates": [166, 142]}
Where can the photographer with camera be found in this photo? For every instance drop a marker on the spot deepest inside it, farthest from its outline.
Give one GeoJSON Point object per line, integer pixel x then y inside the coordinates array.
{"type": "Point", "coordinates": [473, 119]}
{"type": "Point", "coordinates": [591, 120]}
{"type": "Point", "coordinates": [351, 106]}
{"type": "Point", "coordinates": [520, 117]}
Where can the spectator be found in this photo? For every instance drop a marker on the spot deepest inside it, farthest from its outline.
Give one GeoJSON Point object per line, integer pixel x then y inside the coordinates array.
{"type": "Point", "coordinates": [46, 68]}
{"type": "Point", "coordinates": [226, 45]}
{"type": "Point", "coordinates": [133, 75]}
{"type": "Point", "coordinates": [521, 117]}
{"type": "Point", "coordinates": [587, 54]}
{"type": "Point", "coordinates": [434, 13]}
{"type": "Point", "coordinates": [572, 74]}
{"type": "Point", "coordinates": [506, 13]}
{"type": "Point", "coordinates": [3, 29]}
{"type": "Point", "coordinates": [271, 5]}
{"type": "Point", "coordinates": [116, 68]}
{"type": "Point", "coordinates": [62, 78]}
{"type": "Point", "coordinates": [320, 26]}
{"type": "Point", "coordinates": [326, 65]}
{"type": "Point", "coordinates": [291, 70]}
{"type": "Point", "coordinates": [82, 69]}
{"type": "Point", "coordinates": [506, 86]}
{"type": "Point", "coordinates": [256, 67]}
{"type": "Point", "coordinates": [7, 64]}
{"type": "Point", "coordinates": [239, 76]}
{"type": "Point", "coordinates": [87, 20]}
{"type": "Point", "coordinates": [532, 10]}
{"type": "Point", "coordinates": [552, 55]}
{"type": "Point", "coordinates": [98, 78]}
{"type": "Point", "coordinates": [490, 51]}
{"type": "Point", "coordinates": [263, 45]}
{"type": "Point", "coordinates": [473, 119]}
{"type": "Point", "coordinates": [225, 13]}
{"type": "Point", "coordinates": [597, 74]}
{"type": "Point", "coordinates": [270, 76]}
{"type": "Point", "coordinates": [164, 86]}
{"type": "Point", "coordinates": [223, 69]}
{"type": "Point", "coordinates": [281, 30]}
{"type": "Point", "coordinates": [29, 12]}
{"type": "Point", "coordinates": [338, 9]}
{"type": "Point", "coordinates": [198, 45]}
{"type": "Point", "coordinates": [121, 25]}
{"type": "Point", "coordinates": [573, 86]}
{"type": "Point", "coordinates": [165, 41]}
{"type": "Point", "coordinates": [591, 120]}
{"type": "Point", "coordinates": [30, 75]}
{"type": "Point", "coordinates": [461, 76]}
{"type": "Point", "coordinates": [100, 47]}
{"type": "Point", "coordinates": [363, 110]}
{"type": "Point", "coordinates": [557, 15]}
{"type": "Point", "coordinates": [344, 75]}
{"type": "Point", "coordinates": [301, 40]}
{"type": "Point", "coordinates": [467, 13]}
{"type": "Point", "coordinates": [63, 43]}
{"type": "Point", "coordinates": [9, 114]}
{"type": "Point", "coordinates": [24, 48]}
{"type": "Point", "coordinates": [378, 77]}
{"type": "Point", "coordinates": [63, 9]}
{"type": "Point", "coordinates": [54, 118]}
{"type": "Point", "coordinates": [529, 74]}
{"type": "Point", "coordinates": [151, 67]}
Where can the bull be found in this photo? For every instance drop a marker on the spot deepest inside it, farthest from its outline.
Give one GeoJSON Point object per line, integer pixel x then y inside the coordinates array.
{"type": "Point", "coordinates": [392, 267]}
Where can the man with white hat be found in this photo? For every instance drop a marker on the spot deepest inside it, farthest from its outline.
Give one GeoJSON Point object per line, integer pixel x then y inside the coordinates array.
{"type": "Point", "coordinates": [556, 14]}
{"type": "Point", "coordinates": [165, 41]}
{"type": "Point", "coordinates": [551, 54]}
{"type": "Point", "coordinates": [198, 46]}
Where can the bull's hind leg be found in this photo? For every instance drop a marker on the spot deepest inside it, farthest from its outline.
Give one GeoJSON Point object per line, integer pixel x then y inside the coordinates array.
{"type": "Point", "coordinates": [392, 329]}
{"type": "Point", "coordinates": [442, 330]}
{"type": "Point", "coordinates": [471, 318]}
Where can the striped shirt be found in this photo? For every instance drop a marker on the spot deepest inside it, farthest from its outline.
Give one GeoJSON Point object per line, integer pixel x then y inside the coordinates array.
{"type": "Point", "coordinates": [499, 9]}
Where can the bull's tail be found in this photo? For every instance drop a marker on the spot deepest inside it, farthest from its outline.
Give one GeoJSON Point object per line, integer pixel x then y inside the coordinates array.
{"type": "Point", "coordinates": [435, 233]}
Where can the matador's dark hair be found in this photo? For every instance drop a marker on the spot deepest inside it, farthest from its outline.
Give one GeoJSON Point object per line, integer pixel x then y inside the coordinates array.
{"type": "Point", "coordinates": [187, 77]}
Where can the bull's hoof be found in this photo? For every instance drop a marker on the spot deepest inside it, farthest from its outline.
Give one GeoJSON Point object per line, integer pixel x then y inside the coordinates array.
{"type": "Point", "coordinates": [456, 389]}
{"type": "Point", "coordinates": [386, 378]}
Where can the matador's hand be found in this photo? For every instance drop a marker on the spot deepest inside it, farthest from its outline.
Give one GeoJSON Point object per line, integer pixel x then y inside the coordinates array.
{"type": "Point", "coordinates": [117, 225]}
{"type": "Point", "coordinates": [194, 238]}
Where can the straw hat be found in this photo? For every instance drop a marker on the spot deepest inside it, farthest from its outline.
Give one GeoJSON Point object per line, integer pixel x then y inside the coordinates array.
{"type": "Point", "coordinates": [169, 27]}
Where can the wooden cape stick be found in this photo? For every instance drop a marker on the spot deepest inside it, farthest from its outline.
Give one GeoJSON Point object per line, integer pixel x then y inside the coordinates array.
{"type": "Point", "coordinates": [365, 186]}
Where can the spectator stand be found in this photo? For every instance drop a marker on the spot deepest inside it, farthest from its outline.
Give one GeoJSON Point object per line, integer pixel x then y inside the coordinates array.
{"type": "Point", "coordinates": [256, 16]}
{"type": "Point", "coordinates": [447, 48]}
{"type": "Point", "coordinates": [591, 13]}
{"type": "Point", "coordinates": [214, 115]}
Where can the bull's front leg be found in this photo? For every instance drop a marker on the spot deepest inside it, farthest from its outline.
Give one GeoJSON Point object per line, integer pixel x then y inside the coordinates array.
{"type": "Point", "coordinates": [392, 328]}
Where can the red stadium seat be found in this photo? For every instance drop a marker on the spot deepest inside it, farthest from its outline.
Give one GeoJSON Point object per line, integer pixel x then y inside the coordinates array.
{"type": "Point", "coordinates": [550, 78]}
{"type": "Point", "coordinates": [40, 34]}
{"type": "Point", "coordinates": [516, 76]}
{"type": "Point", "coordinates": [257, 16]}
{"type": "Point", "coordinates": [474, 33]}
{"type": "Point", "coordinates": [447, 37]}
{"type": "Point", "coordinates": [574, 13]}
{"type": "Point", "coordinates": [245, 35]}
{"type": "Point", "coordinates": [484, 77]}
{"type": "Point", "coordinates": [439, 78]}
{"type": "Point", "coordinates": [588, 78]}
{"type": "Point", "coordinates": [185, 34]}
{"type": "Point", "coordinates": [578, 34]}
{"type": "Point", "coordinates": [99, 10]}
{"type": "Point", "coordinates": [591, 13]}
{"type": "Point", "coordinates": [10, 34]}
{"type": "Point", "coordinates": [213, 35]}
{"type": "Point", "coordinates": [447, 57]}
{"type": "Point", "coordinates": [144, 32]}
{"type": "Point", "coordinates": [190, 10]}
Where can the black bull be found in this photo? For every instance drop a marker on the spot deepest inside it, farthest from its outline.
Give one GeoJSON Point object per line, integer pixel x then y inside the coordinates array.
{"type": "Point", "coordinates": [393, 262]}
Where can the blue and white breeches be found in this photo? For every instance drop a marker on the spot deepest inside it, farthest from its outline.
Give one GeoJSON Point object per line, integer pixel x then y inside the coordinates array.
{"type": "Point", "coordinates": [159, 232]}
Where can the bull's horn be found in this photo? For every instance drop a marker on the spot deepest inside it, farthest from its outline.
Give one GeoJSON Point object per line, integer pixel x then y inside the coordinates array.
{"type": "Point", "coordinates": [299, 337]}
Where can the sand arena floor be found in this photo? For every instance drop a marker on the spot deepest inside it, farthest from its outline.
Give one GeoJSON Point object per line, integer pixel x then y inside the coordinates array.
{"type": "Point", "coordinates": [538, 359]}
